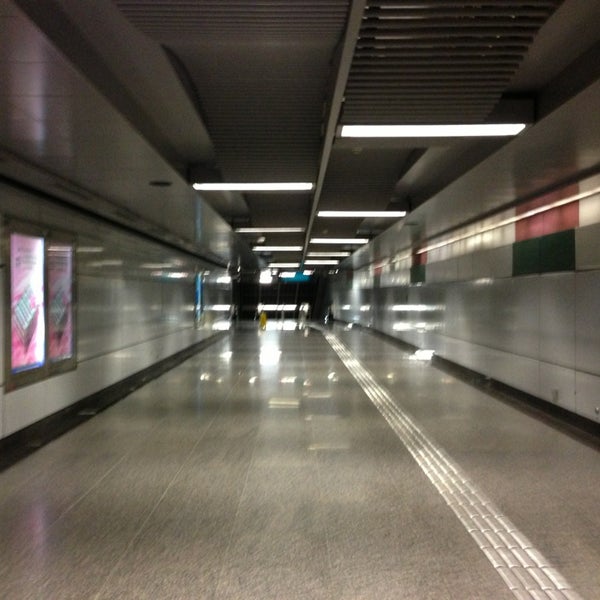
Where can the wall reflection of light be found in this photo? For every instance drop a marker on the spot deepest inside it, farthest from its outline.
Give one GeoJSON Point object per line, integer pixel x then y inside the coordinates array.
{"type": "Point", "coordinates": [252, 380]}
{"type": "Point", "coordinates": [424, 355]}
{"type": "Point", "coordinates": [227, 355]}
{"type": "Point", "coordinates": [205, 376]}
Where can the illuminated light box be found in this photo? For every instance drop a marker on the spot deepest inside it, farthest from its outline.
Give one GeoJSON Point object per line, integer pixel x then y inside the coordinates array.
{"type": "Point", "coordinates": [27, 316]}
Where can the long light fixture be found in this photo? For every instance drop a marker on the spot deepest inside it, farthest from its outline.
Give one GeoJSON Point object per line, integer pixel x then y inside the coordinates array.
{"type": "Point", "coordinates": [270, 230]}
{"type": "Point", "coordinates": [321, 262]}
{"type": "Point", "coordinates": [339, 240]}
{"type": "Point", "coordinates": [342, 254]}
{"type": "Point", "coordinates": [277, 248]}
{"type": "Point", "coordinates": [284, 265]}
{"type": "Point", "coordinates": [425, 131]}
{"type": "Point", "coordinates": [290, 186]}
{"type": "Point", "coordinates": [379, 214]}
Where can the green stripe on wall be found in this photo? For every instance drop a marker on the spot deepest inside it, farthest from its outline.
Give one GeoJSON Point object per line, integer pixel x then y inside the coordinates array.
{"type": "Point", "coordinates": [546, 254]}
{"type": "Point", "coordinates": [417, 274]}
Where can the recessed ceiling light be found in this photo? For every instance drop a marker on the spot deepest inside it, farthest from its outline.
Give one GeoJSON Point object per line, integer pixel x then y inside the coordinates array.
{"type": "Point", "coordinates": [284, 265]}
{"type": "Point", "coordinates": [385, 214]}
{"type": "Point", "coordinates": [277, 248]}
{"type": "Point", "coordinates": [416, 131]}
{"type": "Point", "coordinates": [332, 254]}
{"type": "Point", "coordinates": [321, 262]}
{"type": "Point", "coordinates": [270, 230]}
{"type": "Point", "coordinates": [339, 240]}
{"type": "Point", "coordinates": [254, 187]}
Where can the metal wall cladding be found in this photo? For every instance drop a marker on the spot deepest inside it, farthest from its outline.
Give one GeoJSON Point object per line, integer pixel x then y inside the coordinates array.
{"type": "Point", "coordinates": [587, 322]}
{"type": "Point", "coordinates": [587, 247]}
{"type": "Point", "coordinates": [135, 306]}
{"type": "Point", "coordinates": [537, 333]}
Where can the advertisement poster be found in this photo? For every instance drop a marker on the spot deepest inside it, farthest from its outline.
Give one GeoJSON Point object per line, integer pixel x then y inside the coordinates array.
{"type": "Point", "coordinates": [60, 291]}
{"type": "Point", "coordinates": [27, 302]}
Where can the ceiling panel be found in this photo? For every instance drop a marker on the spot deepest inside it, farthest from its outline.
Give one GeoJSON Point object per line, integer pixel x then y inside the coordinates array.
{"type": "Point", "coordinates": [109, 95]}
{"type": "Point", "coordinates": [438, 61]}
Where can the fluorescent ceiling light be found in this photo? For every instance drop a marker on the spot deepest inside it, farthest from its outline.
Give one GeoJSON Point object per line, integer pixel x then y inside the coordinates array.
{"type": "Point", "coordinates": [339, 240]}
{"type": "Point", "coordinates": [416, 131]}
{"type": "Point", "coordinates": [270, 230]}
{"type": "Point", "coordinates": [321, 262]}
{"type": "Point", "coordinates": [332, 254]}
{"type": "Point", "coordinates": [254, 187]}
{"type": "Point", "coordinates": [284, 265]}
{"type": "Point", "coordinates": [386, 214]}
{"type": "Point", "coordinates": [277, 248]}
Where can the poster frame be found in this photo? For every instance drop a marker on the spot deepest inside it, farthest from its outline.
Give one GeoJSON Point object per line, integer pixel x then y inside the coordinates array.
{"type": "Point", "coordinates": [62, 365]}
{"type": "Point", "coordinates": [14, 380]}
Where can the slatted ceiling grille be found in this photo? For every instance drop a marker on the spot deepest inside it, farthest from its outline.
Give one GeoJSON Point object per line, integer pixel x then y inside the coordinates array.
{"type": "Point", "coordinates": [180, 17]}
{"type": "Point", "coordinates": [438, 61]}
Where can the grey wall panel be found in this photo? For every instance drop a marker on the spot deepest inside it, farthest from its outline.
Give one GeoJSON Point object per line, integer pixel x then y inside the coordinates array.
{"type": "Point", "coordinates": [135, 306]}
{"type": "Point", "coordinates": [587, 247]}
{"type": "Point", "coordinates": [2, 317]}
{"type": "Point", "coordinates": [444, 270]}
{"type": "Point", "coordinates": [513, 324]}
{"type": "Point", "coordinates": [557, 385]}
{"type": "Point", "coordinates": [557, 319]}
{"type": "Point", "coordinates": [588, 395]}
{"type": "Point", "coordinates": [465, 267]}
{"type": "Point", "coordinates": [496, 263]}
{"type": "Point", "coordinates": [587, 323]}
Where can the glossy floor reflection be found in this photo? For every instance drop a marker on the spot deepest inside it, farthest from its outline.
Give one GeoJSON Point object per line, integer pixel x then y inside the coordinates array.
{"type": "Point", "coordinates": [260, 469]}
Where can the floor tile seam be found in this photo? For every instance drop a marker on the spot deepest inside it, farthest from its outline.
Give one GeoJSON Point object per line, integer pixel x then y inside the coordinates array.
{"type": "Point", "coordinates": [79, 499]}
{"type": "Point", "coordinates": [164, 494]}
{"type": "Point", "coordinates": [151, 512]}
{"type": "Point", "coordinates": [57, 461]}
{"type": "Point", "coordinates": [326, 527]}
{"type": "Point", "coordinates": [382, 400]}
{"type": "Point", "coordinates": [228, 548]}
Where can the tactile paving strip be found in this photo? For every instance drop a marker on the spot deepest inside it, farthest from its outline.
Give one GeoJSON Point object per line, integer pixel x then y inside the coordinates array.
{"type": "Point", "coordinates": [526, 572]}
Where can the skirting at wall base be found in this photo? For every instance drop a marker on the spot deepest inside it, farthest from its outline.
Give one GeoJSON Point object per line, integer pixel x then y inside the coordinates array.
{"type": "Point", "coordinates": [554, 415]}
{"type": "Point", "coordinates": [25, 441]}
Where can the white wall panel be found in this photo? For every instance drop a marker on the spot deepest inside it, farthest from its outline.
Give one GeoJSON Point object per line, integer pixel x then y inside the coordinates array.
{"type": "Point", "coordinates": [130, 314]}
{"type": "Point", "coordinates": [587, 324]}
{"type": "Point", "coordinates": [495, 263]}
{"type": "Point", "coordinates": [587, 247]}
{"type": "Point", "coordinates": [2, 317]}
{"type": "Point", "coordinates": [537, 333]}
{"type": "Point", "coordinates": [589, 211]}
{"type": "Point", "coordinates": [444, 270]}
{"type": "Point", "coordinates": [34, 402]}
{"type": "Point", "coordinates": [557, 319]}
{"type": "Point", "coordinates": [588, 395]}
{"type": "Point", "coordinates": [465, 267]}
{"type": "Point", "coordinates": [557, 385]}
{"type": "Point", "coordinates": [517, 371]}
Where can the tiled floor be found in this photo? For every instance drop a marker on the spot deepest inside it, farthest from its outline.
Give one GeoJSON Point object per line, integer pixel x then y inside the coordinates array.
{"type": "Point", "coordinates": [260, 469]}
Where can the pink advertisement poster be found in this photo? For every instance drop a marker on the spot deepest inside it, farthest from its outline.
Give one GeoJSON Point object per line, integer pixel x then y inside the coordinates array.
{"type": "Point", "coordinates": [60, 312]}
{"type": "Point", "coordinates": [27, 302]}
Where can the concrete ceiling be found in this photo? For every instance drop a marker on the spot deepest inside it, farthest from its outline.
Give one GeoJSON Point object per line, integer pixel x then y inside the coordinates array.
{"type": "Point", "coordinates": [176, 91]}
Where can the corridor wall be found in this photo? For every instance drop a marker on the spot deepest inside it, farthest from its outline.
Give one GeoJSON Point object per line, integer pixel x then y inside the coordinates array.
{"type": "Point", "coordinates": [513, 297]}
{"type": "Point", "coordinates": [135, 304]}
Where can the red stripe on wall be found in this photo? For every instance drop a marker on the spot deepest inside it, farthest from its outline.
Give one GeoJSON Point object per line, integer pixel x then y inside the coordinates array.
{"type": "Point", "coordinates": [550, 221]}
{"type": "Point", "coordinates": [418, 258]}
